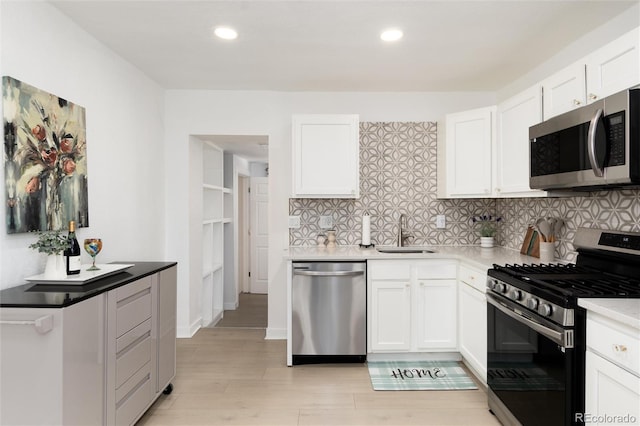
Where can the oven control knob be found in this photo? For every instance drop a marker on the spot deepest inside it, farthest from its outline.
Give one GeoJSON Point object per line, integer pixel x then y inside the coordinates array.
{"type": "Point", "coordinates": [545, 309]}
{"type": "Point", "coordinates": [532, 303]}
{"type": "Point", "coordinates": [499, 287]}
{"type": "Point", "coordinates": [515, 295]}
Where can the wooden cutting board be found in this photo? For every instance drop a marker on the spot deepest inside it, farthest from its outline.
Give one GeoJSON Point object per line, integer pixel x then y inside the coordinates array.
{"type": "Point", "coordinates": [531, 243]}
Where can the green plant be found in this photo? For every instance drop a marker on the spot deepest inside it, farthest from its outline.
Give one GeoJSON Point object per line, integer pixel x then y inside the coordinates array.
{"type": "Point", "coordinates": [50, 242]}
{"type": "Point", "coordinates": [488, 224]}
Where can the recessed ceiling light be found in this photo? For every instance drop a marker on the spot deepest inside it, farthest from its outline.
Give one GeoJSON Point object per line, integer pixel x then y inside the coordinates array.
{"type": "Point", "coordinates": [226, 33]}
{"type": "Point", "coordinates": [391, 35]}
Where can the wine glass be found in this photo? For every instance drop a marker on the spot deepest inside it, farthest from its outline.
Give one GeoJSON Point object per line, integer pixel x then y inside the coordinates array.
{"type": "Point", "coordinates": [93, 247]}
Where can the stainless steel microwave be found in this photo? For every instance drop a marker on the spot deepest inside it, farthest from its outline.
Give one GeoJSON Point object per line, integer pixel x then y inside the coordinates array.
{"type": "Point", "coordinates": [593, 147]}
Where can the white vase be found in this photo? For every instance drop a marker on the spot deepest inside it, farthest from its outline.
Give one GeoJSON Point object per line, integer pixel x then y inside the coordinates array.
{"type": "Point", "coordinates": [487, 242]}
{"type": "Point", "coordinates": [55, 268]}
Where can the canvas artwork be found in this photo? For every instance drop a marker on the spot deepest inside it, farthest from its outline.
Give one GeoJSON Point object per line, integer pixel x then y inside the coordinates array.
{"type": "Point", "coordinates": [45, 159]}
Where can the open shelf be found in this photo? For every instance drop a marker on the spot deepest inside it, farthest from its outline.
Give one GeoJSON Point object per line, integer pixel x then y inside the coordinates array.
{"type": "Point", "coordinates": [217, 213]}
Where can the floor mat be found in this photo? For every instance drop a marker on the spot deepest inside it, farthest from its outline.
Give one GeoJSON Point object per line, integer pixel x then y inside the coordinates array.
{"type": "Point", "coordinates": [419, 375]}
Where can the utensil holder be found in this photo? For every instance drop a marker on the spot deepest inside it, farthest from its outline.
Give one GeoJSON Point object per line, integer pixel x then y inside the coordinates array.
{"type": "Point", "coordinates": [547, 252]}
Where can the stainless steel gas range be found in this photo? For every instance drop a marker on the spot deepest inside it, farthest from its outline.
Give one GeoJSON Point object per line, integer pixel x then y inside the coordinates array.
{"type": "Point", "coordinates": [536, 331]}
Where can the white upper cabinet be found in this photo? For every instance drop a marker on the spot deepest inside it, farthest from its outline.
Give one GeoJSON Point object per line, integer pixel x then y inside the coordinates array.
{"type": "Point", "coordinates": [614, 67]}
{"type": "Point", "coordinates": [468, 140]}
{"type": "Point", "coordinates": [564, 91]}
{"type": "Point", "coordinates": [608, 70]}
{"type": "Point", "coordinates": [326, 156]}
{"type": "Point", "coordinates": [514, 117]}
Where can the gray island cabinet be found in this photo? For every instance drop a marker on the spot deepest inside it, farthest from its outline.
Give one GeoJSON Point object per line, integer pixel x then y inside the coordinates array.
{"type": "Point", "coordinates": [99, 353]}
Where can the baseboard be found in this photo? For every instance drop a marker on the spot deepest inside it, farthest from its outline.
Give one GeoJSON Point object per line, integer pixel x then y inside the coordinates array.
{"type": "Point", "coordinates": [276, 334]}
{"type": "Point", "coordinates": [230, 306]}
{"type": "Point", "coordinates": [188, 332]}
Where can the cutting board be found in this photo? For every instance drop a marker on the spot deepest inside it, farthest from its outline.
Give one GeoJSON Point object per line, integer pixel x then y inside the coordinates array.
{"type": "Point", "coordinates": [531, 243]}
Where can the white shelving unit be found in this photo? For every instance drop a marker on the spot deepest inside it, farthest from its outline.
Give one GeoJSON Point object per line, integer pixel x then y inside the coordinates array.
{"type": "Point", "coordinates": [216, 203]}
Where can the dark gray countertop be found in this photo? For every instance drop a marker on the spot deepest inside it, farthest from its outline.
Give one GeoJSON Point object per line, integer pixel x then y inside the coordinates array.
{"type": "Point", "coordinates": [33, 295]}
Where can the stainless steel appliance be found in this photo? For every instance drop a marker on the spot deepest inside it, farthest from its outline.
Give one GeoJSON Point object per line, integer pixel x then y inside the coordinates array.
{"type": "Point", "coordinates": [329, 312]}
{"type": "Point", "coordinates": [595, 146]}
{"type": "Point", "coordinates": [536, 331]}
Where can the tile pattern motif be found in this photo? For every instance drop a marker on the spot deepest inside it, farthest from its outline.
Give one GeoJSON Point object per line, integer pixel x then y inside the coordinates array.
{"type": "Point", "coordinates": [397, 176]}
{"type": "Point", "coordinates": [614, 210]}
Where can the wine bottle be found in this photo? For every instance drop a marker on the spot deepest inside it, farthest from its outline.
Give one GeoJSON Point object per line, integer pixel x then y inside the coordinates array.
{"type": "Point", "coordinates": [72, 253]}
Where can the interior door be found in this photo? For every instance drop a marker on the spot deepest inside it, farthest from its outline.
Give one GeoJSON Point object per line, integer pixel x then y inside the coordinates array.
{"type": "Point", "coordinates": [259, 235]}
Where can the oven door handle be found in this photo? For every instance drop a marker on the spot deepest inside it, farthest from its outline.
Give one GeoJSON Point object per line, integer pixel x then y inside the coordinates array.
{"type": "Point", "coordinates": [563, 339]}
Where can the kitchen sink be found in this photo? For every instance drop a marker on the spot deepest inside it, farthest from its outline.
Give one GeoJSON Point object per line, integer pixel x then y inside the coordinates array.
{"type": "Point", "coordinates": [404, 250]}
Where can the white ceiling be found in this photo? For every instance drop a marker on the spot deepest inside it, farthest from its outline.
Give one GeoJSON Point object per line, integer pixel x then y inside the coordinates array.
{"type": "Point", "coordinates": [334, 45]}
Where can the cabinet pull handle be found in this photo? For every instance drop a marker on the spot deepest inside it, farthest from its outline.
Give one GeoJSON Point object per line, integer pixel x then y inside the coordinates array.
{"type": "Point", "coordinates": [42, 325]}
{"type": "Point", "coordinates": [592, 97]}
{"type": "Point", "coordinates": [619, 348]}
{"type": "Point", "coordinates": [576, 102]}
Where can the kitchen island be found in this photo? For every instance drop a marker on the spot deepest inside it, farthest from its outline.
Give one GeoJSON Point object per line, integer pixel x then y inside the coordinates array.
{"type": "Point", "coordinates": [98, 353]}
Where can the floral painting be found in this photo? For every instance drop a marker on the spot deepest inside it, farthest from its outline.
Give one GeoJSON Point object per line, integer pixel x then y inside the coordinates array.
{"type": "Point", "coordinates": [45, 159]}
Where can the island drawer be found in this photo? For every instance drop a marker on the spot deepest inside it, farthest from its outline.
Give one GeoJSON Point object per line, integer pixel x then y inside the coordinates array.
{"type": "Point", "coordinates": [133, 305]}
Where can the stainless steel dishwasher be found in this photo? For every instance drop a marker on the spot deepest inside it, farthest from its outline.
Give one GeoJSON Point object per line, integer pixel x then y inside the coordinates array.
{"type": "Point", "coordinates": [329, 312]}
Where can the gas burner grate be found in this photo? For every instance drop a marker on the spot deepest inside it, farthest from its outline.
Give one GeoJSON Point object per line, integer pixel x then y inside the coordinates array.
{"type": "Point", "coordinates": [550, 268]}
{"type": "Point", "coordinates": [574, 281]}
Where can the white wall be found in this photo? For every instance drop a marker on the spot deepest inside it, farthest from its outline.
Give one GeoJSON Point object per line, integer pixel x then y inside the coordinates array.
{"type": "Point", "coordinates": [258, 169]}
{"type": "Point", "coordinates": [124, 111]}
{"type": "Point", "coordinates": [269, 113]}
{"type": "Point", "coordinates": [589, 42]}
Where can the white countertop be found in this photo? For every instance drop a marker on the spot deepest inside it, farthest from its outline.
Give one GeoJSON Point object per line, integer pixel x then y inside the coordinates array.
{"type": "Point", "coordinates": [626, 311]}
{"type": "Point", "coordinates": [482, 258]}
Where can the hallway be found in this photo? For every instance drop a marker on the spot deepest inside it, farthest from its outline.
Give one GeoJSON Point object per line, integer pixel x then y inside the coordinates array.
{"type": "Point", "coordinates": [251, 313]}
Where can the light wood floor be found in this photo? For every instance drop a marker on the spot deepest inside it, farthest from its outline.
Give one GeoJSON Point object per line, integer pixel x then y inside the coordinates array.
{"type": "Point", "coordinates": [229, 376]}
{"type": "Point", "coordinates": [251, 312]}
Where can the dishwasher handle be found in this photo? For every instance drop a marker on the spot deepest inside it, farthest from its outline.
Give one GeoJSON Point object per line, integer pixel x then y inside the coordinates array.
{"type": "Point", "coordinates": [327, 273]}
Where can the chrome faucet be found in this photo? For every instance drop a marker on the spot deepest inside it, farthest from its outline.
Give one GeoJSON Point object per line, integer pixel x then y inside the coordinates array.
{"type": "Point", "coordinates": [402, 237]}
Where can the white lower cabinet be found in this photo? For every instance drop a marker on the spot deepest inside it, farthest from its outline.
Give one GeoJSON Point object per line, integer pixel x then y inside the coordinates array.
{"type": "Point", "coordinates": [390, 316]}
{"type": "Point", "coordinates": [472, 319]}
{"type": "Point", "coordinates": [412, 306]}
{"type": "Point", "coordinates": [612, 372]}
{"type": "Point", "coordinates": [436, 314]}
{"type": "Point", "coordinates": [610, 391]}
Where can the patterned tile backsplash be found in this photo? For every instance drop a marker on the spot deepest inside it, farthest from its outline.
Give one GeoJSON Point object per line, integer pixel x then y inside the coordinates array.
{"type": "Point", "coordinates": [615, 210]}
{"type": "Point", "coordinates": [398, 176]}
